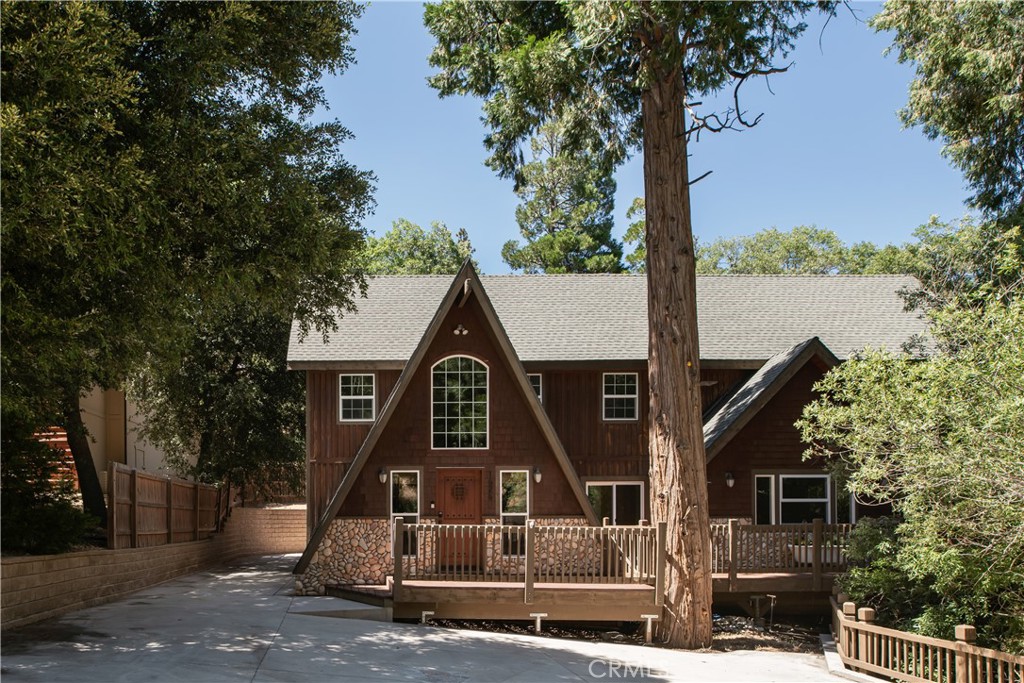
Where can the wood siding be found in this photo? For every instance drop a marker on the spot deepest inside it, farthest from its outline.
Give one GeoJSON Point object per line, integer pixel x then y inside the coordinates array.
{"type": "Point", "coordinates": [515, 440]}
{"type": "Point", "coordinates": [768, 443]}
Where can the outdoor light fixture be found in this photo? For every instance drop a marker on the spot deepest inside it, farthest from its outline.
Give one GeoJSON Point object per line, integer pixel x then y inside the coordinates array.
{"type": "Point", "coordinates": [460, 330]}
{"type": "Point", "coordinates": [537, 475]}
{"type": "Point", "coordinates": [729, 479]}
{"type": "Point", "coordinates": [382, 474]}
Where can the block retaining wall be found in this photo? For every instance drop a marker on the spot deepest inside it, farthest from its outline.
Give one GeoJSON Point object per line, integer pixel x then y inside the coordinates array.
{"type": "Point", "coordinates": [38, 587]}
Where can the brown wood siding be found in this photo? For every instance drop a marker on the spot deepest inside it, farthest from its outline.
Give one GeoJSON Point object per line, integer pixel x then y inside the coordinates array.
{"type": "Point", "coordinates": [330, 443]}
{"type": "Point", "coordinates": [768, 443]}
{"type": "Point", "coordinates": [725, 380]}
{"type": "Point", "coordinates": [514, 441]}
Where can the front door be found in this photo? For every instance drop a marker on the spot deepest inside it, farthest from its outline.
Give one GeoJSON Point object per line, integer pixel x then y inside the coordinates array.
{"type": "Point", "coordinates": [460, 501]}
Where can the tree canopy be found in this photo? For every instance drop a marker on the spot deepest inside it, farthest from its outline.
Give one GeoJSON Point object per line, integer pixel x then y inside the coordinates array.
{"type": "Point", "coordinates": [166, 171]}
{"type": "Point", "coordinates": [408, 249]}
{"type": "Point", "coordinates": [620, 77]}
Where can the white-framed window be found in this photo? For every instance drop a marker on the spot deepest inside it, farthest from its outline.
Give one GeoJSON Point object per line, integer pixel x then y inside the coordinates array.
{"type": "Point", "coordinates": [459, 403]}
{"type": "Point", "coordinates": [622, 502]}
{"type": "Point", "coordinates": [405, 503]}
{"type": "Point", "coordinates": [356, 398]}
{"type": "Point", "coordinates": [620, 395]}
{"type": "Point", "coordinates": [514, 494]}
{"type": "Point", "coordinates": [537, 382]}
{"type": "Point", "coordinates": [792, 498]}
{"type": "Point", "coordinates": [764, 499]}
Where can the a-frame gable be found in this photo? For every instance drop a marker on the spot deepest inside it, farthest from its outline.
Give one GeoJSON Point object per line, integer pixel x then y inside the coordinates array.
{"type": "Point", "coordinates": [466, 284]}
{"type": "Point", "coordinates": [754, 394]}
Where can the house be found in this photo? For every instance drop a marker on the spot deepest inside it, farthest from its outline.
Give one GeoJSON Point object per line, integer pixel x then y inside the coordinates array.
{"type": "Point", "coordinates": [520, 402]}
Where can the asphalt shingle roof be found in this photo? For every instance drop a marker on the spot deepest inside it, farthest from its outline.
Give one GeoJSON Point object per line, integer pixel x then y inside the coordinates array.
{"type": "Point", "coordinates": [604, 317]}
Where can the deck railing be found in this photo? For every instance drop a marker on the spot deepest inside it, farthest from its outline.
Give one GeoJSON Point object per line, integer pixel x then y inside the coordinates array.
{"type": "Point", "coordinates": [870, 648]}
{"type": "Point", "coordinates": [817, 548]}
{"type": "Point", "coordinates": [529, 554]}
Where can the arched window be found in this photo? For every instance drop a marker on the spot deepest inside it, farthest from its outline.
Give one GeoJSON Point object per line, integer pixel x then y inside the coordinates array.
{"type": "Point", "coordinates": [459, 402]}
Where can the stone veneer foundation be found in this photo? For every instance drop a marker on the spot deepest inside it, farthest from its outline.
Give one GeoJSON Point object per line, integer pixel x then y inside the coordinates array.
{"type": "Point", "coordinates": [357, 550]}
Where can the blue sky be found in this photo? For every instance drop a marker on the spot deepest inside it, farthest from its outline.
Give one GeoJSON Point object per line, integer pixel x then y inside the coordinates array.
{"type": "Point", "coordinates": [829, 150]}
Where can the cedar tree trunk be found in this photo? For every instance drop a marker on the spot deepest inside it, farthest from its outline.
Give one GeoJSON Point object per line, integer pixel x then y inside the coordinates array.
{"type": "Point", "coordinates": [679, 493]}
{"type": "Point", "coordinates": [78, 443]}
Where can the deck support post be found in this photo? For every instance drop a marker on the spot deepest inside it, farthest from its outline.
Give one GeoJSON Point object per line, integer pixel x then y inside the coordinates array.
{"type": "Point", "coordinates": [734, 541]}
{"type": "Point", "coordinates": [531, 553]}
{"type": "Point", "coordinates": [537, 616]}
{"type": "Point", "coordinates": [396, 553]}
{"type": "Point", "coordinates": [659, 567]}
{"type": "Point", "coordinates": [817, 551]}
{"type": "Point", "coordinates": [647, 629]}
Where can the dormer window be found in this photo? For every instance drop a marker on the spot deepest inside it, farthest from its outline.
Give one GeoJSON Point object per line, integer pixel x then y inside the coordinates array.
{"type": "Point", "coordinates": [459, 403]}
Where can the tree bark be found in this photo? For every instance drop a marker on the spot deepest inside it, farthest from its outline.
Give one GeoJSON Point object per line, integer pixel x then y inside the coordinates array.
{"type": "Point", "coordinates": [78, 442]}
{"type": "Point", "coordinates": [678, 476]}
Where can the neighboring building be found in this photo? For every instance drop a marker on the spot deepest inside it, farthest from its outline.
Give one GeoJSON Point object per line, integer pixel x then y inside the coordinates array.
{"type": "Point", "coordinates": [503, 399]}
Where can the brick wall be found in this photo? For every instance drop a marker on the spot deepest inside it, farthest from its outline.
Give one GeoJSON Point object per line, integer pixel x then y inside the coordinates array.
{"type": "Point", "coordinates": [42, 586]}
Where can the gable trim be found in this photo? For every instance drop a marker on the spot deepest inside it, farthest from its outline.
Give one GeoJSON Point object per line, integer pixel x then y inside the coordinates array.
{"type": "Point", "coordinates": [809, 349]}
{"type": "Point", "coordinates": [466, 283]}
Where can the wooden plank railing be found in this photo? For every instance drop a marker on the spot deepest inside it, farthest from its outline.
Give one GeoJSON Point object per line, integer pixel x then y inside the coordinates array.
{"type": "Point", "coordinates": [528, 554]}
{"type": "Point", "coordinates": [817, 548]}
{"type": "Point", "coordinates": [874, 649]}
{"type": "Point", "coordinates": [145, 509]}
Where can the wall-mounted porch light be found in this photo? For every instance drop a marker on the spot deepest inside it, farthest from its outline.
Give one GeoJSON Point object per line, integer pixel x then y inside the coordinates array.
{"type": "Point", "coordinates": [382, 474]}
{"type": "Point", "coordinates": [730, 480]}
{"type": "Point", "coordinates": [537, 476]}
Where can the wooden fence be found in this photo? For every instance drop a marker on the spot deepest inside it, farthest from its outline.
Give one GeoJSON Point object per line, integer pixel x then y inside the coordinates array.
{"type": "Point", "coordinates": [817, 548]}
{"type": "Point", "coordinates": [145, 509]}
{"type": "Point", "coordinates": [545, 554]}
{"type": "Point", "coordinates": [874, 649]}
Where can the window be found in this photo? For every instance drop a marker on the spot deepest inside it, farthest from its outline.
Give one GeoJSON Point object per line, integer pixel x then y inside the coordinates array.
{"type": "Point", "coordinates": [620, 502]}
{"type": "Point", "coordinates": [405, 503]}
{"type": "Point", "coordinates": [804, 498]}
{"type": "Point", "coordinates": [356, 402]}
{"type": "Point", "coordinates": [620, 396]}
{"type": "Point", "coordinates": [536, 381]}
{"type": "Point", "coordinates": [459, 407]}
{"type": "Point", "coordinates": [764, 499]}
{"type": "Point", "coordinates": [515, 510]}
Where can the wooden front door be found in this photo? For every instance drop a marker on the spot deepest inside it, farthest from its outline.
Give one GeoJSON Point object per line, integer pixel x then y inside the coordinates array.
{"type": "Point", "coordinates": [460, 501]}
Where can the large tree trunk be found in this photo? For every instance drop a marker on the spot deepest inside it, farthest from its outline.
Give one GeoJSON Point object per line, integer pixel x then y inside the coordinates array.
{"type": "Point", "coordinates": [78, 442]}
{"type": "Point", "coordinates": [679, 494]}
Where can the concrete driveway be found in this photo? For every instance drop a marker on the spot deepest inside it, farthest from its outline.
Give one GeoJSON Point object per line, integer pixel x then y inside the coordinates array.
{"type": "Point", "coordinates": [241, 623]}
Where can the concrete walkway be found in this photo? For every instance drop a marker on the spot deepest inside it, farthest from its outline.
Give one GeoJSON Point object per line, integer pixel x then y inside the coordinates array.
{"type": "Point", "coordinates": [241, 623]}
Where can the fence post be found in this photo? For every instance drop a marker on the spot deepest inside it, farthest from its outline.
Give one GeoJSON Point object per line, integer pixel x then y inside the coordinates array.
{"type": "Point", "coordinates": [864, 651]}
{"type": "Point", "coordinates": [195, 511]}
{"type": "Point", "coordinates": [817, 551]}
{"type": "Point", "coordinates": [734, 540]}
{"type": "Point", "coordinates": [134, 495]}
{"type": "Point", "coordinates": [965, 637]}
{"type": "Point", "coordinates": [396, 551]}
{"type": "Point", "coordinates": [170, 510]}
{"type": "Point", "coordinates": [531, 549]}
{"type": "Point", "coordinates": [849, 643]}
{"type": "Point", "coordinates": [111, 506]}
{"type": "Point", "coordinates": [659, 568]}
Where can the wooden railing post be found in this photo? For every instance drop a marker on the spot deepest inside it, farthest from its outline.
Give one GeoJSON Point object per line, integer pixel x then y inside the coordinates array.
{"type": "Point", "coordinates": [396, 551]}
{"type": "Point", "coordinates": [849, 643]}
{"type": "Point", "coordinates": [734, 539]}
{"type": "Point", "coordinates": [170, 510]}
{"type": "Point", "coordinates": [864, 651]}
{"type": "Point", "coordinates": [659, 567]}
{"type": "Point", "coordinates": [965, 637]}
{"type": "Point", "coordinates": [111, 506]}
{"type": "Point", "coordinates": [817, 550]}
{"type": "Point", "coordinates": [134, 495]}
{"type": "Point", "coordinates": [531, 558]}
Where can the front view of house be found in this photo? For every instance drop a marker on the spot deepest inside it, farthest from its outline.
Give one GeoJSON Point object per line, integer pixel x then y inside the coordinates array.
{"type": "Point", "coordinates": [520, 403]}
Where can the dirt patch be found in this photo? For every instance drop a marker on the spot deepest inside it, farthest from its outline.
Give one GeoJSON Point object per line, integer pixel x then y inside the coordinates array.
{"type": "Point", "coordinates": [730, 633]}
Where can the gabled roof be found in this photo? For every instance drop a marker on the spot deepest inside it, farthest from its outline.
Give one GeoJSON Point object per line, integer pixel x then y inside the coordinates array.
{"type": "Point", "coordinates": [755, 393]}
{"type": "Point", "coordinates": [466, 283]}
{"type": "Point", "coordinates": [571, 318]}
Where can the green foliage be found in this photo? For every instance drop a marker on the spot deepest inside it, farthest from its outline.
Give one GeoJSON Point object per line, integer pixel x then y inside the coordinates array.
{"type": "Point", "coordinates": [636, 233]}
{"type": "Point", "coordinates": [408, 249]}
{"type": "Point", "coordinates": [968, 91]}
{"type": "Point", "coordinates": [159, 165]}
{"type": "Point", "coordinates": [940, 438]}
{"type": "Point", "coordinates": [565, 212]}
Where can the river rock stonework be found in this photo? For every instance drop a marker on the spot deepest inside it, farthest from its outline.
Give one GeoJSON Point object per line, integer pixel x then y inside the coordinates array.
{"type": "Point", "coordinates": [353, 551]}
